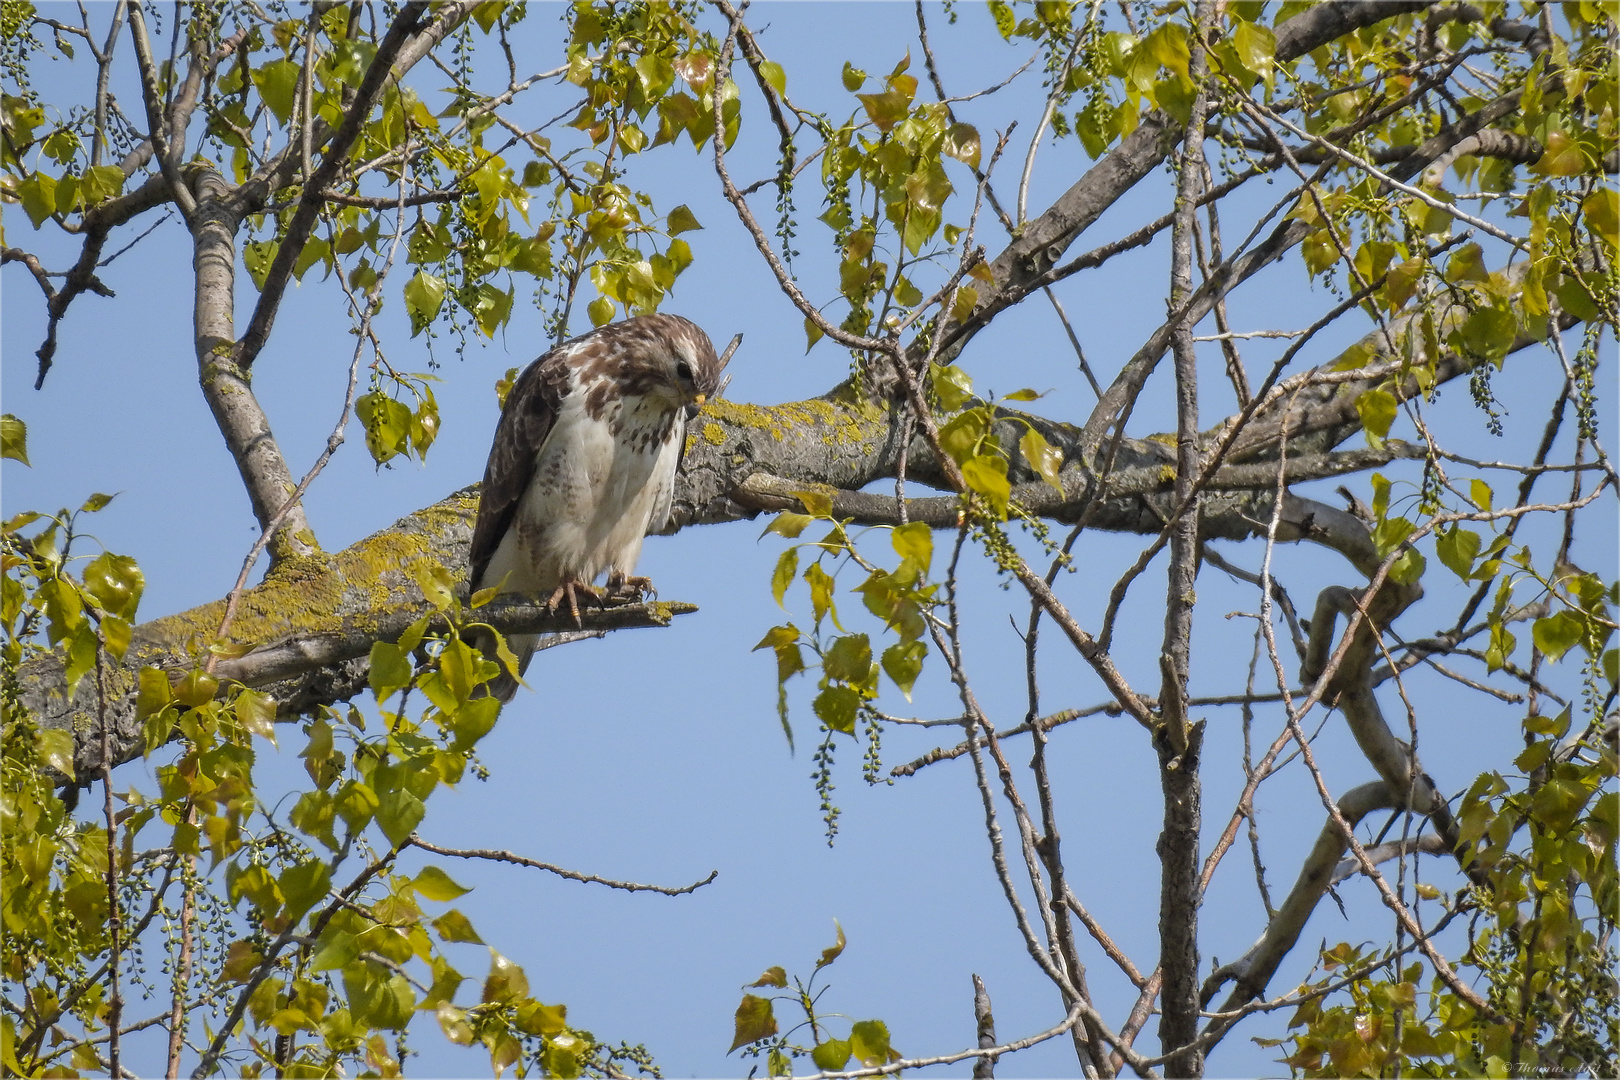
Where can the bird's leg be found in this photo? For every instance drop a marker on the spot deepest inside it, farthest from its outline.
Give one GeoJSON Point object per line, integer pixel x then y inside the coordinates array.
{"type": "Point", "coordinates": [572, 589]}
{"type": "Point", "coordinates": [623, 589]}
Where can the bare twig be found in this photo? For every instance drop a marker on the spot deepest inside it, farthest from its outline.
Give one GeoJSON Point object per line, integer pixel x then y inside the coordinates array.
{"type": "Point", "coordinates": [572, 875]}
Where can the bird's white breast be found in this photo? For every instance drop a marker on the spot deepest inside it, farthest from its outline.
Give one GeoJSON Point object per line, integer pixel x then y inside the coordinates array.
{"type": "Point", "coordinates": [599, 485]}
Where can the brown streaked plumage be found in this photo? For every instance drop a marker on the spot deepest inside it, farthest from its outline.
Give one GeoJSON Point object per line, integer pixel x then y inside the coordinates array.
{"type": "Point", "coordinates": [583, 465]}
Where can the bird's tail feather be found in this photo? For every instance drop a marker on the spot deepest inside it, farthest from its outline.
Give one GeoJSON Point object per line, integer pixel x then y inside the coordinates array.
{"type": "Point", "coordinates": [504, 685]}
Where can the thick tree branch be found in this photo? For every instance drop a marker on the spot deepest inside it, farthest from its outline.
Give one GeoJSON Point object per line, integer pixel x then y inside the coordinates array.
{"type": "Point", "coordinates": [226, 385]}
{"type": "Point", "coordinates": [741, 460]}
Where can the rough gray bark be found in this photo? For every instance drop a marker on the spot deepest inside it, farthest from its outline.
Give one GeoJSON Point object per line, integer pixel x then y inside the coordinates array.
{"type": "Point", "coordinates": [226, 385]}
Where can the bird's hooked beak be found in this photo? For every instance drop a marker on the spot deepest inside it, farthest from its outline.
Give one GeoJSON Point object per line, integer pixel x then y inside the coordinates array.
{"type": "Point", "coordinates": [694, 405]}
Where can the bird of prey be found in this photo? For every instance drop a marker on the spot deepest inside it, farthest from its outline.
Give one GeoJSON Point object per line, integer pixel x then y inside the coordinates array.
{"type": "Point", "coordinates": [583, 466]}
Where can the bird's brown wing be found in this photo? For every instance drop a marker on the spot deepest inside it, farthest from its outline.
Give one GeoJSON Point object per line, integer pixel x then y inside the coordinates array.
{"type": "Point", "coordinates": [529, 415]}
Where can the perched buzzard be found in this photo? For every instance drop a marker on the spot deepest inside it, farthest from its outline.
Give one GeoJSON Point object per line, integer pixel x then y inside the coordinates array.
{"type": "Point", "coordinates": [583, 465]}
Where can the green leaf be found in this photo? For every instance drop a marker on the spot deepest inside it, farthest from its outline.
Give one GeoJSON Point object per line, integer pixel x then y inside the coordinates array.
{"type": "Point", "coordinates": [869, 1042]}
{"type": "Point", "coordinates": [257, 255]}
{"type": "Point", "coordinates": [435, 884]}
{"type": "Point", "coordinates": [962, 143]}
{"type": "Point", "coordinates": [1556, 634]}
{"type": "Point", "coordinates": [61, 145]}
{"type": "Point", "coordinates": [55, 748]}
{"type": "Point", "coordinates": [1457, 548]}
{"type": "Point", "coordinates": [1043, 457]}
{"type": "Point", "coordinates": [1500, 648]}
{"type": "Point", "coordinates": [681, 219]}
{"type": "Point", "coordinates": [774, 976]}
{"type": "Point", "coordinates": [197, 688]}
{"type": "Point", "coordinates": [961, 437]}
{"type": "Point", "coordinates": [277, 81]}
{"type": "Point", "coordinates": [1377, 408]}
{"type": "Point", "coordinates": [1256, 45]}
{"type": "Point", "coordinates": [313, 815]}
{"type": "Point", "coordinates": [315, 250]}
{"type": "Point", "coordinates": [505, 982]}
{"type": "Point", "coordinates": [836, 707]}
{"type": "Point", "coordinates": [754, 1021]}
{"type": "Point", "coordinates": [424, 296]}
{"type": "Point", "coordinates": [816, 503]}
{"type": "Point", "coordinates": [774, 76]}
{"type": "Point", "coordinates": [821, 592]}
{"type": "Point", "coordinates": [1602, 212]}
{"type": "Point", "coordinates": [356, 804]}
{"type": "Point", "coordinates": [967, 298]}
{"type": "Point", "coordinates": [903, 662]}
{"type": "Point", "coordinates": [303, 886]}
{"type": "Point", "coordinates": [886, 109]}
{"type": "Point", "coordinates": [600, 310]}
{"type": "Point", "coordinates": [787, 568]}
{"type": "Point", "coordinates": [454, 926]}
{"type": "Point", "coordinates": [914, 541]}
{"type": "Point", "coordinates": [117, 634]}
{"type": "Point", "coordinates": [115, 583]}
{"type": "Point", "coordinates": [492, 309]}
{"type": "Point", "coordinates": [1006, 21]}
{"type": "Point", "coordinates": [398, 814]}
{"type": "Point", "coordinates": [155, 692]}
{"type": "Point", "coordinates": [476, 718]}
{"type": "Point", "coordinates": [850, 660]}
{"type": "Point", "coordinates": [1488, 332]}
{"type": "Point", "coordinates": [854, 77]}
{"type": "Point", "coordinates": [832, 1055]}
{"type": "Point", "coordinates": [100, 183]}
{"type": "Point", "coordinates": [38, 197]}
{"type": "Point", "coordinates": [436, 585]}
{"type": "Point", "coordinates": [538, 1019]}
{"type": "Point", "coordinates": [377, 999]}
{"type": "Point", "coordinates": [986, 474]}
{"type": "Point", "coordinates": [1467, 263]}
{"type": "Point", "coordinates": [788, 524]}
{"type": "Point", "coordinates": [1479, 492]}
{"type": "Point", "coordinates": [390, 669]}
{"type": "Point", "coordinates": [14, 439]}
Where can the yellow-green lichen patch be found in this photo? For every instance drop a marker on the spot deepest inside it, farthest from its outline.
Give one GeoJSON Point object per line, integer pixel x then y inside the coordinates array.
{"type": "Point", "coordinates": [740, 414]}
{"type": "Point", "coordinates": [319, 593]}
{"type": "Point", "coordinates": [713, 433]}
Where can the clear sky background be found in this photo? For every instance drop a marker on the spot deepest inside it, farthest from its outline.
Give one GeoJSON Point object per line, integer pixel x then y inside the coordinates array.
{"type": "Point", "coordinates": [656, 756]}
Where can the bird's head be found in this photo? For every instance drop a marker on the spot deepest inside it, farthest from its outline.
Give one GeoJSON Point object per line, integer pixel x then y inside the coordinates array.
{"type": "Point", "coordinates": [686, 360]}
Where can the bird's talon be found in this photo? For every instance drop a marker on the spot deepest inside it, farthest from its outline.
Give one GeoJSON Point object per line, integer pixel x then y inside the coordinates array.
{"type": "Point", "coordinates": [572, 591]}
{"type": "Point", "coordinates": [630, 590]}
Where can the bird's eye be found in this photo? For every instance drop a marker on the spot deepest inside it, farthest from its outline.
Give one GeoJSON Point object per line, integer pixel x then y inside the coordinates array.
{"type": "Point", "coordinates": [684, 370]}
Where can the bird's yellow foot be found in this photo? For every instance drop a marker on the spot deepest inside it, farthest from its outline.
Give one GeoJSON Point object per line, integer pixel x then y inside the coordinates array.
{"type": "Point", "coordinates": [571, 589]}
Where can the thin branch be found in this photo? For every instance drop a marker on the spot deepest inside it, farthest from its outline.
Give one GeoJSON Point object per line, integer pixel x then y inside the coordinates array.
{"type": "Point", "coordinates": [572, 875]}
{"type": "Point", "coordinates": [333, 159]}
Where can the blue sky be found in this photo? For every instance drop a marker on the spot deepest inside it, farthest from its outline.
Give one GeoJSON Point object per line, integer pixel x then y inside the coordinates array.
{"type": "Point", "coordinates": [656, 756]}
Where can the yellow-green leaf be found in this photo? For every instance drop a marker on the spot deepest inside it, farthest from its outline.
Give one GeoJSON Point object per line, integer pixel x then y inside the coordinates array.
{"type": "Point", "coordinates": [1043, 457]}
{"type": "Point", "coordinates": [986, 475]}
{"type": "Point", "coordinates": [787, 568]}
{"type": "Point", "coordinates": [754, 1021]}
{"type": "Point", "coordinates": [774, 976]}
{"type": "Point", "coordinates": [435, 884]}
{"type": "Point", "coordinates": [424, 296]}
{"type": "Point", "coordinates": [14, 439]}
{"type": "Point", "coordinates": [1377, 408]}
